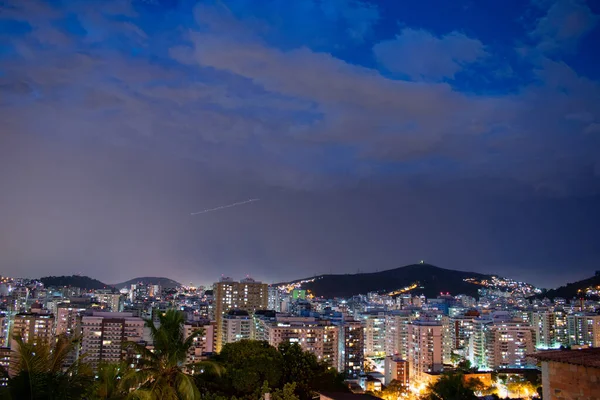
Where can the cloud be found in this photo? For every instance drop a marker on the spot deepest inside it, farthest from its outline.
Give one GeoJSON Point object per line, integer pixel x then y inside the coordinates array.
{"type": "Point", "coordinates": [292, 117]}
{"type": "Point", "coordinates": [592, 128]}
{"type": "Point", "coordinates": [105, 151]}
{"type": "Point", "coordinates": [397, 121]}
{"type": "Point", "coordinates": [565, 22]}
{"type": "Point", "coordinates": [421, 55]}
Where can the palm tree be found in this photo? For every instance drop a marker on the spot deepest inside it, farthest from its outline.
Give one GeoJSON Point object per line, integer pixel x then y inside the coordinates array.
{"type": "Point", "coordinates": [39, 370]}
{"type": "Point", "coordinates": [109, 383]}
{"type": "Point", "coordinates": [161, 372]}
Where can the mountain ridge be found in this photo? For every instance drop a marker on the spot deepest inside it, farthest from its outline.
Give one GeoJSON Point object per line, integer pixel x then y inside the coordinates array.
{"type": "Point", "coordinates": [149, 280]}
{"type": "Point", "coordinates": [575, 289]}
{"type": "Point", "coordinates": [88, 283]}
{"type": "Point", "coordinates": [432, 280]}
{"type": "Point", "coordinates": [80, 281]}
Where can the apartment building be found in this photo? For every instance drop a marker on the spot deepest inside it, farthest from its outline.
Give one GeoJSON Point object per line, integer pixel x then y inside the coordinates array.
{"type": "Point", "coordinates": [104, 334]}
{"type": "Point", "coordinates": [247, 295]}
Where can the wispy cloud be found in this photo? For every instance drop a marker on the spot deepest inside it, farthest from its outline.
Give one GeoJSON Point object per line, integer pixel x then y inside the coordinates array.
{"type": "Point", "coordinates": [564, 23]}
{"type": "Point", "coordinates": [421, 55]}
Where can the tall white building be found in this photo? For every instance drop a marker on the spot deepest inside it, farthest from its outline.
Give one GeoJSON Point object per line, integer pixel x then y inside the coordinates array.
{"type": "Point", "coordinates": [68, 318]}
{"type": "Point", "coordinates": [236, 326]}
{"type": "Point", "coordinates": [584, 329]}
{"type": "Point", "coordinates": [104, 335]}
{"type": "Point", "coordinates": [112, 300]}
{"type": "Point", "coordinates": [508, 345]}
{"type": "Point", "coordinates": [316, 336]}
{"type": "Point", "coordinates": [544, 327]}
{"type": "Point", "coordinates": [33, 327]}
{"type": "Point", "coordinates": [501, 342]}
{"type": "Point", "coordinates": [424, 349]}
{"type": "Point", "coordinates": [396, 333]}
{"type": "Point", "coordinates": [204, 344]}
{"type": "Point", "coordinates": [374, 323]}
{"type": "Point", "coordinates": [274, 299]}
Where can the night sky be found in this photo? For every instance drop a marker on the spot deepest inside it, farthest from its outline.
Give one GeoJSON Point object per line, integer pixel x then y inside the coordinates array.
{"type": "Point", "coordinates": [465, 133]}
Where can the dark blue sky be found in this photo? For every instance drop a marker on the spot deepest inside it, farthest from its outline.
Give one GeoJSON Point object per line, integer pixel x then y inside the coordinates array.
{"type": "Point", "coordinates": [375, 133]}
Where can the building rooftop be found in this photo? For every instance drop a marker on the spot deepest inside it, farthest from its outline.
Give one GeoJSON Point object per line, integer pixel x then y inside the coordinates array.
{"type": "Point", "coordinates": [586, 357]}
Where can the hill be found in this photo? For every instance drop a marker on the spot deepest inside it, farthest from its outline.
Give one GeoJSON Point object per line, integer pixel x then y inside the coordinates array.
{"type": "Point", "coordinates": [589, 287]}
{"type": "Point", "coordinates": [84, 282]}
{"type": "Point", "coordinates": [431, 280]}
{"type": "Point", "coordinates": [165, 283]}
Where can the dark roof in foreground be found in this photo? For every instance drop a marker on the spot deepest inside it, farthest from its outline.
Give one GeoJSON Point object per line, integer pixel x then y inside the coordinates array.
{"type": "Point", "coordinates": [586, 357]}
{"type": "Point", "coordinates": [347, 396]}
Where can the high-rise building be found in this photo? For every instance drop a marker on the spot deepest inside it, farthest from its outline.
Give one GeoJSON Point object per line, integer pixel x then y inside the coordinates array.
{"type": "Point", "coordinates": [397, 369]}
{"type": "Point", "coordinates": [424, 348]}
{"type": "Point", "coordinates": [374, 323]}
{"type": "Point", "coordinates": [351, 348]}
{"type": "Point", "coordinates": [5, 356]}
{"type": "Point", "coordinates": [274, 299]}
{"type": "Point", "coordinates": [456, 334]}
{"type": "Point", "coordinates": [105, 333]}
{"type": "Point", "coordinates": [236, 325]}
{"type": "Point", "coordinates": [544, 328]}
{"type": "Point", "coordinates": [509, 343]}
{"type": "Point", "coordinates": [477, 343]}
{"type": "Point", "coordinates": [396, 333]}
{"type": "Point", "coordinates": [584, 329]}
{"type": "Point", "coordinates": [33, 328]}
{"type": "Point", "coordinates": [501, 342]}
{"type": "Point", "coordinates": [4, 334]}
{"type": "Point", "coordinates": [113, 301]}
{"type": "Point", "coordinates": [319, 337]}
{"type": "Point", "coordinates": [248, 295]}
{"type": "Point", "coordinates": [203, 345]}
{"type": "Point", "coordinates": [261, 321]}
{"type": "Point", "coordinates": [561, 327]}
{"type": "Point", "coordinates": [68, 318]}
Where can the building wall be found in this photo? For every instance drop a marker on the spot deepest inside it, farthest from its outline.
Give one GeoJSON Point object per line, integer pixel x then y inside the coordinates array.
{"type": "Point", "coordinates": [5, 357]}
{"type": "Point", "coordinates": [104, 333]}
{"type": "Point", "coordinates": [203, 344]}
{"type": "Point", "coordinates": [397, 369]}
{"type": "Point", "coordinates": [374, 334]}
{"type": "Point", "coordinates": [396, 334]}
{"type": "Point", "coordinates": [68, 319]}
{"type": "Point", "coordinates": [425, 349]}
{"type": "Point", "coordinates": [508, 344]}
{"type": "Point", "coordinates": [33, 328]}
{"type": "Point", "coordinates": [351, 345]}
{"type": "Point", "coordinates": [235, 328]}
{"type": "Point", "coordinates": [4, 330]}
{"type": "Point", "coordinates": [563, 381]}
{"type": "Point", "coordinates": [584, 330]}
{"type": "Point", "coordinates": [247, 295]}
{"type": "Point", "coordinates": [319, 339]}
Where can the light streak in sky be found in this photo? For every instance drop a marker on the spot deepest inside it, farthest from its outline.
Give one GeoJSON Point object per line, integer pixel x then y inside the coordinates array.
{"type": "Point", "coordinates": [239, 203]}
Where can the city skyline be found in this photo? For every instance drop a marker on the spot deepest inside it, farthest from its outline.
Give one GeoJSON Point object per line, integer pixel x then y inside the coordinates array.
{"type": "Point", "coordinates": [375, 135]}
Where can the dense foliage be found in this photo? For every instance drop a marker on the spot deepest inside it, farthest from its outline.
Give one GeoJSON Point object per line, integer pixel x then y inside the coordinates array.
{"type": "Point", "coordinates": [41, 373]}
{"type": "Point", "coordinates": [243, 370]}
{"type": "Point", "coordinates": [451, 386]}
{"type": "Point", "coordinates": [252, 366]}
